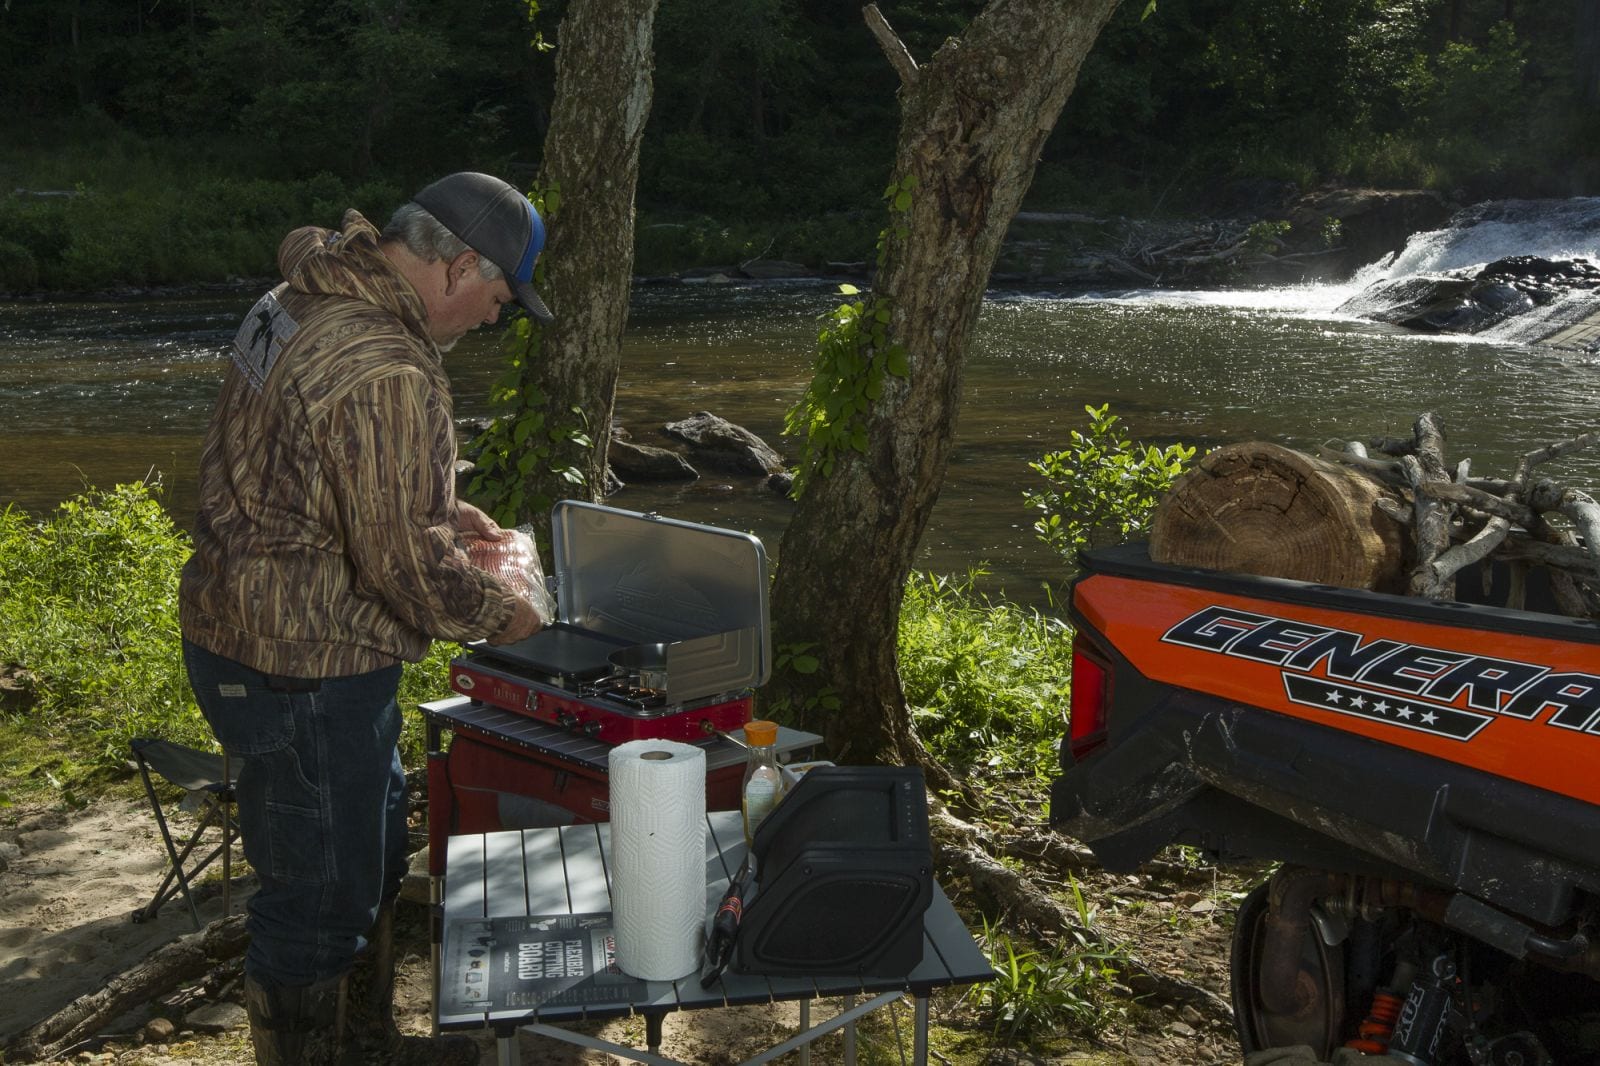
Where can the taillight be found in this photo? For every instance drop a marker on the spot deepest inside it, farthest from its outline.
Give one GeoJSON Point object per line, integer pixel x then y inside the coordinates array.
{"type": "Point", "coordinates": [1091, 699]}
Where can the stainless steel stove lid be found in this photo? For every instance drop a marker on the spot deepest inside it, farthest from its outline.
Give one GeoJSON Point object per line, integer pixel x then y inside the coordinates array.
{"type": "Point", "coordinates": [645, 579]}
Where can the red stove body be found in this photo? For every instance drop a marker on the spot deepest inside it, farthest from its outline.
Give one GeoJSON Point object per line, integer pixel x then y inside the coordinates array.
{"type": "Point", "coordinates": [610, 713]}
{"type": "Point", "coordinates": [662, 632]}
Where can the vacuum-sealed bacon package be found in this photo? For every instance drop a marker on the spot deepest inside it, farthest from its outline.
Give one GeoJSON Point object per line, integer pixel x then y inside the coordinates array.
{"type": "Point", "coordinates": [515, 562]}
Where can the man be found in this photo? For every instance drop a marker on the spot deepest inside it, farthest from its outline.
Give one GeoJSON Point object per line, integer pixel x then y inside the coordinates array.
{"type": "Point", "coordinates": [326, 553]}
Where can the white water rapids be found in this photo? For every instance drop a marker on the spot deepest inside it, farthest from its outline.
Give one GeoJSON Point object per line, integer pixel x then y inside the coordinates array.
{"type": "Point", "coordinates": [1475, 236]}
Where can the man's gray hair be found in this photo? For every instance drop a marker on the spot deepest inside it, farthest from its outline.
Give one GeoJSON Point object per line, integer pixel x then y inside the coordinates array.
{"type": "Point", "coordinates": [428, 239]}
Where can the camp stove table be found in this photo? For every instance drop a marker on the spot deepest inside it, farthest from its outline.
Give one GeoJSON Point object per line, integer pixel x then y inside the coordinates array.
{"type": "Point", "coordinates": [499, 883]}
{"type": "Point", "coordinates": [503, 770]}
{"type": "Point", "coordinates": [661, 631]}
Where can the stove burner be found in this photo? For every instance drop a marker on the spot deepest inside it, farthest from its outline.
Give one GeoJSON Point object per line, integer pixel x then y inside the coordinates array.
{"type": "Point", "coordinates": [624, 689]}
{"type": "Point", "coordinates": [642, 699]}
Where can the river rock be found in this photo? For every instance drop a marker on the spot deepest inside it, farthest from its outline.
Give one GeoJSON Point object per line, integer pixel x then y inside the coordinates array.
{"type": "Point", "coordinates": [1371, 223]}
{"type": "Point", "coordinates": [216, 1017]}
{"type": "Point", "coordinates": [718, 444]}
{"type": "Point", "coordinates": [158, 1030]}
{"type": "Point", "coordinates": [641, 462]}
{"type": "Point", "coordinates": [1472, 300]}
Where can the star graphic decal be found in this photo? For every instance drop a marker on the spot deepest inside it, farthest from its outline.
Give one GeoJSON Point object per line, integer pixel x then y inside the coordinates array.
{"type": "Point", "coordinates": [1333, 695]}
{"type": "Point", "coordinates": [1381, 707]}
{"type": "Point", "coordinates": [1429, 718]}
{"type": "Point", "coordinates": [1403, 712]}
{"type": "Point", "coordinates": [1357, 701]}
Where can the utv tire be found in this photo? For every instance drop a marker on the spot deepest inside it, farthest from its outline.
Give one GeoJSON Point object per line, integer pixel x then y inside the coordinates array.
{"type": "Point", "coordinates": [1259, 1029]}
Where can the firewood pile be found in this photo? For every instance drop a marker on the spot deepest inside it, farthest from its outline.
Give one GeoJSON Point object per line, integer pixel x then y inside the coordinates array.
{"type": "Point", "coordinates": [1391, 514]}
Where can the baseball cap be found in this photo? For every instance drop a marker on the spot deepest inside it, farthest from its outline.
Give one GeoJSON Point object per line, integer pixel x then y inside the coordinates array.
{"type": "Point", "coordinates": [497, 222]}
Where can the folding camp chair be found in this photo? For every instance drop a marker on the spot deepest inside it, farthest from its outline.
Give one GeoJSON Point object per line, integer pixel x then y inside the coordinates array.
{"type": "Point", "coordinates": [209, 777]}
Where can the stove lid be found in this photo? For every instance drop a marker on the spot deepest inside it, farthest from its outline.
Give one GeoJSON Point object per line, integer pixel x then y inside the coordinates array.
{"type": "Point", "coordinates": [642, 578]}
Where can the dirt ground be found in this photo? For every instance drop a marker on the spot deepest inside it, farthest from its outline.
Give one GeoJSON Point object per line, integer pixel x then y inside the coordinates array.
{"type": "Point", "coordinates": [69, 881]}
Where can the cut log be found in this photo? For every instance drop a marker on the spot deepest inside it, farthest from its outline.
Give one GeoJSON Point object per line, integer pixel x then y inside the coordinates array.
{"type": "Point", "coordinates": [1258, 508]}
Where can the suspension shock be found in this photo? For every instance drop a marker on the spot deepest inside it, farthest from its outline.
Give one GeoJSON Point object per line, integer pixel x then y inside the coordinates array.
{"type": "Point", "coordinates": [1373, 1034]}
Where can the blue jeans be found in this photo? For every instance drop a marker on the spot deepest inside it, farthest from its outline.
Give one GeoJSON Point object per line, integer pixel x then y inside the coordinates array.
{"type": "Point", "coordinates": [322, 808]}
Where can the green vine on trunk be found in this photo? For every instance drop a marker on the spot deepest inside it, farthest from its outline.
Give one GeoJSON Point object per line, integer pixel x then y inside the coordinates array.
{"type": "Point", "coordinates": [854, 356]}
{"type": "Point", "coordinates": [523, 439]}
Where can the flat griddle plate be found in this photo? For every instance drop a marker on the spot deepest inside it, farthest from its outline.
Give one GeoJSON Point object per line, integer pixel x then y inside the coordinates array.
{"type": "Point", "coordinates": [559, 650]}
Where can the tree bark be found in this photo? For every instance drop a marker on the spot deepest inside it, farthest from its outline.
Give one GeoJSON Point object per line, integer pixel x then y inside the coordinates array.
{"type": "Point", "coordinates": [1258, 508]}
{"type": "Point", "coordinates": [185, 958]}
{"type": "Point", "coordinates": [973, 120]}
{"type": "Point", "coordinates": [604, 68]}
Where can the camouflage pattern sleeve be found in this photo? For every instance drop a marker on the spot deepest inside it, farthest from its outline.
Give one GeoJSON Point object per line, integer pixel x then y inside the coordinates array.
{"type": "Point", "coordinates": [390, 452]}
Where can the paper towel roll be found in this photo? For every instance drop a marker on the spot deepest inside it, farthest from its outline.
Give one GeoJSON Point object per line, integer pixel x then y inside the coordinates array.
{"type": "Point", "coordinates": [658, 857]}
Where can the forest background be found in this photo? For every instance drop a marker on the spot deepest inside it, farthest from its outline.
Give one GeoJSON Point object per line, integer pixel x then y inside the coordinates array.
{"type": "Point", "coordinates": [170, 143]}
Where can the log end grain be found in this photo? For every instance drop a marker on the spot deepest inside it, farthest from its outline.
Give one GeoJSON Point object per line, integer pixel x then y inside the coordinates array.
{"type": "Point", "coordinates": [1262, 509]}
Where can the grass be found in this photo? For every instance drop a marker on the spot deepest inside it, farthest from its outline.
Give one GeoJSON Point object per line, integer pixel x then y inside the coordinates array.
{"type": "Point", "coordinates": [89, 624]}
{"type": "Point", "coordinates": [988, 683]}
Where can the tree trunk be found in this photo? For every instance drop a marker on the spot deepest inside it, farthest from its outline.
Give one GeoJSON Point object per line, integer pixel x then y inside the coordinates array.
{"type": "Point", "coordinates": [1259, 508]}
{"type": "Point", "coordinates": [972, 123]}
{"type": "Point", "coordinates": [603, 93]}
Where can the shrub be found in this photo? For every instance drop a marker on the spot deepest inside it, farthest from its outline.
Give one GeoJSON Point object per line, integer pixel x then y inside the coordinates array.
{"type": "Point", "coordinates": [987, 683]}
{"type": "Point", "coordinates": [1103, 488]}
{"type": "Point", "coordinates": [91, 613]}
{"type": "Point", "coordinates": [18, 268]}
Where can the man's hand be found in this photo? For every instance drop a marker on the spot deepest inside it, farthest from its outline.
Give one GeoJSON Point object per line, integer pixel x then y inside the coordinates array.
{"type": "Point", "coordinates": [524, 623]}
{"type": "Point", "coordinates": [470, 519]}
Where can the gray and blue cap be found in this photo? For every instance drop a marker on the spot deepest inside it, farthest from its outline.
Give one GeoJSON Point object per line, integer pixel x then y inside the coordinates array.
{"type": "Point", "coordinates": [497, 222]}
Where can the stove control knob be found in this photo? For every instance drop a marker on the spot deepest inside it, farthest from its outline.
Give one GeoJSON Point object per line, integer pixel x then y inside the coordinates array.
{"type": "Point", "coordinates": [567, 720]}
{"type": "Point", "coordinates": [591, 729]}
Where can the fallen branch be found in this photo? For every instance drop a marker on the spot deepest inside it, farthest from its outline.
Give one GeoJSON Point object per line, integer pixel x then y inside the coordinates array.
{"type": "Point", "coordinates": [184, 959]}
{"type": "Point", "coordinates": [1456, 520]}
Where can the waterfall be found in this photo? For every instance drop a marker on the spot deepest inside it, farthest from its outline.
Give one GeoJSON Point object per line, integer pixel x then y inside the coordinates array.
{"type": "Point", "coordinates": [1425, 281]}
{"type": "Point", "coordinates": [1495, 229]}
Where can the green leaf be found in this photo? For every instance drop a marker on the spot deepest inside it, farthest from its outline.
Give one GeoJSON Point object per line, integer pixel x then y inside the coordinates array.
{"type": "Point", "coordinates": [902, 201]}
{"type": "Point", "coordinates": [847, 289]}
{"type": "Point", "coordinates": [805, 664]}
{"type": "Point", "coordinates": [897, 362]}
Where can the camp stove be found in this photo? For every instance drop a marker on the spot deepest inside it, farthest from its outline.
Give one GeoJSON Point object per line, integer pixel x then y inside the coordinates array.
{"type": "Point", "coordinates": [662, 631]}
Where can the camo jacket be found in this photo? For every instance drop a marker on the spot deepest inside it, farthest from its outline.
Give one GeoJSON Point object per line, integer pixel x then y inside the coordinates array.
{"type": "Point", "coordinates": [326, 541]}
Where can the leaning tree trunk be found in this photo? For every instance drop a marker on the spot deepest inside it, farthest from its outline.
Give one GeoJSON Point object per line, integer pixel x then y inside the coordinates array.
{"type": "Point", "coordinates": [972, 123]}
{"type": "Point", "coordinates": [591, 159]}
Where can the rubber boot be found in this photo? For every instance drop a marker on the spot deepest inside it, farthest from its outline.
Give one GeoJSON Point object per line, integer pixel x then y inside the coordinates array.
{"type": "Point", "coordinates": [292, 1026]}
{"type": "Point", "coordinates": [368, 1029]}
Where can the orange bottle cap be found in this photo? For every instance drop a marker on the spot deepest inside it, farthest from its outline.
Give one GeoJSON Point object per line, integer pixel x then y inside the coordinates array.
{"type": "Point", "coordinates": [760, 733]}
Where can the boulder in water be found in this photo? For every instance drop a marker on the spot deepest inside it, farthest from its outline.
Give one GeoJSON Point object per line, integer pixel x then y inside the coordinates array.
{"type": "Point", "coordinates": [718, 444]}
{"type": "Point", "coordinates": [1474, 299]}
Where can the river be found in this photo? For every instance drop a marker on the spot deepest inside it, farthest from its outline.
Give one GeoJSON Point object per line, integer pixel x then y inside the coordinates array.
{"type": "Point", "coordinates": [95, 393]}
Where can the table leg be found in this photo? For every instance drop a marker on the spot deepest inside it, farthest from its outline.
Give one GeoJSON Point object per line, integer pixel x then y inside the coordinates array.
{"type": "Point", "coordinates": [435, 936]}
{"type": "Point", "coordinates": [919, 1045]}
{"type": "Point", "coordinates": [805, 1023]}
{"type": "Point", "coordinates": [505, 1049]}
{"type": "Point", "coordinates": [652, 1031]}
{"type": "Point", "coordinates": [849, 1034]}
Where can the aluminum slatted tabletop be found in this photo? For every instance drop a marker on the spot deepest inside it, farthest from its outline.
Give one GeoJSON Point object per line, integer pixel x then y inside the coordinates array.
{"type": "Point", "coordinates": [566, 871]}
